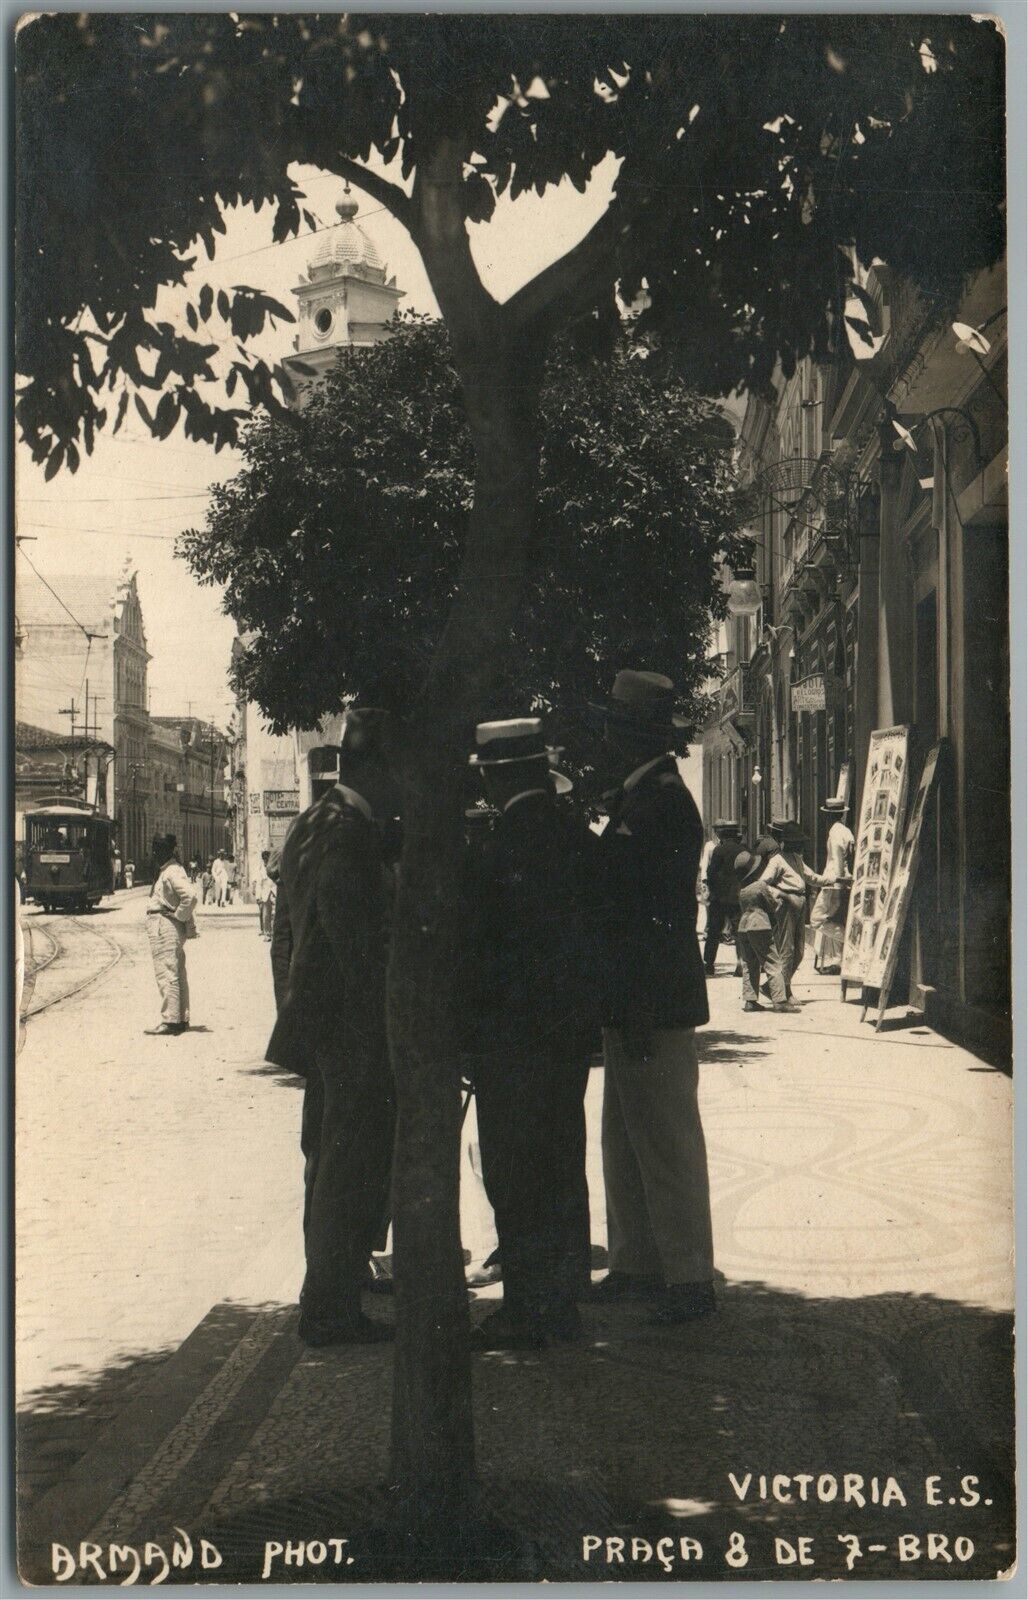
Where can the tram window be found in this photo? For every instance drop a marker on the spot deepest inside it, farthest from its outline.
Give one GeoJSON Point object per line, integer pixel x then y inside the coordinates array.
{"type": "Point", "coordinates": [60, 835]}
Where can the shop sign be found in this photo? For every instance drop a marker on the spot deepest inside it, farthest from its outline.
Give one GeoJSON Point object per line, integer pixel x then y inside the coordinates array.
{"type": "Point", "coordinates": [810, 694]}
{"type": "Point", "coordinates": [255, 805]}
{"type": "Point", "coordinates": [281, 802]}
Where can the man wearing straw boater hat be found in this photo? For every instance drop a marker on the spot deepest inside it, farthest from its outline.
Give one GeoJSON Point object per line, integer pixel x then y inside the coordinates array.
{"type": "Point", "coordinates": [654, 1156]}
{"type": "Point", "coordinates": [531, 1008]}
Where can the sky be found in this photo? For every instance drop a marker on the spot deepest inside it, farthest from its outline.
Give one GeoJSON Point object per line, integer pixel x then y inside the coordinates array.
{"type": "Point", "coordinates": [131, 498]}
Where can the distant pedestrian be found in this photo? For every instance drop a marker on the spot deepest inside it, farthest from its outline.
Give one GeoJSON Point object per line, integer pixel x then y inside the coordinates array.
{"type": "Point", "coordinates": [791, 899]}
{"type": "Point", "coordinates": [758, 948]}
{"type": "Point", "coordinates": [264, 894]}
{"type": "Point", "coordinates": [332, 913]}
{"type": "Point", "coordinates": [654, 1155]}
{"type": "Point", "coordinates": [169, 923]}
{"type": "Point", "coordinates": [722, 893]}
{"type": "Point", "coordinates": [828, 916]}
{"type": "Point", "coordinates": [793, 840]}
{"type": "Point", "coordinates": [231, 879]}
{"type": "Point", "coordinates": [219, 872]}
{"type": "Point", "coordinates": [117, 871]}
{"type": "Point", "coordinates": [194, 869]}
{"type": "Point", "coordinates": [207, 884]}
{"type": "Point", "coordinates": [130, 874]}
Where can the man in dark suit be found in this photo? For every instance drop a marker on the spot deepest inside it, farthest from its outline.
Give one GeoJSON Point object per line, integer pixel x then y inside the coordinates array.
{"type": "Point", "coordinates": [532, 1014]}
{"type": "Point", "coordinates": [331, 918]}
{"type": "Point", "coordinates": [654, 1155]}
{"type": "Point", "coordinates": [723, 887]}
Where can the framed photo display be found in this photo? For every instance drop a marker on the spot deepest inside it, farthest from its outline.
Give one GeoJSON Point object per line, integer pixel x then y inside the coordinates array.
{"type": "Point", "coordinates": [881, 809]}
{"type": "Point", "coordinates": [882, 967]}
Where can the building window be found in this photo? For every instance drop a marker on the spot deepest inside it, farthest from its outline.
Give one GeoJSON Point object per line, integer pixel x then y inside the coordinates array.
{"type": "Point", "coordinates": [323, 322]}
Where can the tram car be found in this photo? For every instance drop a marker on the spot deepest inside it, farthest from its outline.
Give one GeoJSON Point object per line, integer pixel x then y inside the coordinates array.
{"type": "Point", "coordinates": [69, 856]}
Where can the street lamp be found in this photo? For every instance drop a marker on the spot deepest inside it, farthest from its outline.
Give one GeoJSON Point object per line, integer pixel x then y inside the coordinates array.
{"type": "Point", "coordinates": [744, 596]}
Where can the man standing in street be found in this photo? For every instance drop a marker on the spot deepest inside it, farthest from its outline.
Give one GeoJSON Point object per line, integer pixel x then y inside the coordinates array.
{"type": "Point", "coordinates": [169, 923]}
{"type": "Point", "coordinates": [332, 916]}
{"type": "Point", "coordinates": [264, 894]}
{"type": "Point", "coordinates": [654, 1154]}
{"type": "Point", "coordinates": [723, 893]}
{"type": "Point", "coordinates": [531, 999]}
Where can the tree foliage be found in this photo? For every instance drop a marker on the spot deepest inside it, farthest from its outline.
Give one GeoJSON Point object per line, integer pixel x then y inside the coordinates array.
{"type": "Point", "coordinates": [750, 147]}
{"type": "Point", "coordinates": [339, 542]}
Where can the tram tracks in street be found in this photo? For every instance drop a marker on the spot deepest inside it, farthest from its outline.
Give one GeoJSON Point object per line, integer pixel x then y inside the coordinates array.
{"type": "Point", "coordinates": [77, 954]}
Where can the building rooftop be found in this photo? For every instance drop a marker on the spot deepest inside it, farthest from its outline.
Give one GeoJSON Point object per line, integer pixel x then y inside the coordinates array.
{"type": "Point", "coordinates": [346, 245]}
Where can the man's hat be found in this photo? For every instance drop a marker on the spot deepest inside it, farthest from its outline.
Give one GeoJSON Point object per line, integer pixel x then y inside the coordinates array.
{"type": "Point", "coordinates": [726, 825]}
{"type": "Point", "coordinates": [788, 829]}
{"type": "Point", "coordinates": [502, 744]}
{"type": "Point", "coordinates": [836, 805]}
{"type": "Point", "coordinates": [641, 702]}
{"type": "Point", "coordinates": [748, 865]}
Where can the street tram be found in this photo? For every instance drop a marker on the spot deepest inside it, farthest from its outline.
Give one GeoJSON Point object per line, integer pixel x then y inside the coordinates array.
{"type": "Point", "coordinates": [69, 856]}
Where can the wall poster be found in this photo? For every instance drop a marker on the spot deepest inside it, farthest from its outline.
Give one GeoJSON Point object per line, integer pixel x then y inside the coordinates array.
{"type": "Point", "coordinates": [882, 967]}
{"type": "Point", "coordinates": [881, 816]}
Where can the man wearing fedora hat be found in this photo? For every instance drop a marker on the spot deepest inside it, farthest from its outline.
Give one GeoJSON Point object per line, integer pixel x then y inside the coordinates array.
{"type": "Point", "coordinates": [654, 1155]}
{"type": "Point", "coordinates": [531, 1008]}
{"type": "Point", "coordinates": [332, 916]}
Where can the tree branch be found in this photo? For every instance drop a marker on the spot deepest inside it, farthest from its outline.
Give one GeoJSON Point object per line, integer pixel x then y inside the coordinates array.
{"type": "Point", "coordinates": [440, 234]}
{"type": "Point", "coordinates": [577, 282]}
{"type": "Point", "coordinates": [387, 193]}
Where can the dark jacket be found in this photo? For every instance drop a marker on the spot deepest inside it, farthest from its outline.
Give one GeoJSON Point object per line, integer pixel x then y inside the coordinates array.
{"type": "Point", "coordinates": [531, 965]}
{"type": "Point", "coordinates": [650, 857]}
{"type": "Point", "coordinates": [721, 879]}
{"type": "Point", "coordinates": [329, 939]}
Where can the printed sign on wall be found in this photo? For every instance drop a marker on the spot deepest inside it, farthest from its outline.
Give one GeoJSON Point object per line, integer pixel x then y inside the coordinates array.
{"type": "Point", "coordinates": [881, 817]}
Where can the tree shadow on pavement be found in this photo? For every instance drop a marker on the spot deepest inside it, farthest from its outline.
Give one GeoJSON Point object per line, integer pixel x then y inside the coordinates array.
{"type": "Point", "coordinates": [728, 1044]}
{"type": "Point", "coordinates": [634, 1435]}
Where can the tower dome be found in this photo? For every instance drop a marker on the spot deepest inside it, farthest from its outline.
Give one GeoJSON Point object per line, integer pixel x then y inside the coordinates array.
{"type": "Point", "coordinates": [345, 247]}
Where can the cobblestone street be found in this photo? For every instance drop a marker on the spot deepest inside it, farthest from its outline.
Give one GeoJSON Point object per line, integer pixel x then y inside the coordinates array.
{"type": "Point", "coordinates": [861, 1225]}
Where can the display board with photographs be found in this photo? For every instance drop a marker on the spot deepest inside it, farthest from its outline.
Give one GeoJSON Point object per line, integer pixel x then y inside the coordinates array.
{"type": "Point", "coordinates": [890, 929]}
{"type": "Point", "coordinates": [881, 817]}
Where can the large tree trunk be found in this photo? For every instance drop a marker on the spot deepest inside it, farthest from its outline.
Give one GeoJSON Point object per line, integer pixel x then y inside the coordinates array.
{"type": "Point", "coordinates": [433, 1442]}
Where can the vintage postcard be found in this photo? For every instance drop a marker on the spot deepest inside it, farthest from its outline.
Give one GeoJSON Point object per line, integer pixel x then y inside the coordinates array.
{"type": "Point", "coordinates": [512, 786]}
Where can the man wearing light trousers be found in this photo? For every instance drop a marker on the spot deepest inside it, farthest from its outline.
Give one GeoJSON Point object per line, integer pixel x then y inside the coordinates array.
{"type": "Point", "coordinates": [169, 923]}
{"type": "Point", "coordinates": [654, 1154]}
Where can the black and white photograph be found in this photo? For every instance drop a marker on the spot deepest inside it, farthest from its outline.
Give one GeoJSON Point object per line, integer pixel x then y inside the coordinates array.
{"type": "Point", "coordinates": [511, 520]}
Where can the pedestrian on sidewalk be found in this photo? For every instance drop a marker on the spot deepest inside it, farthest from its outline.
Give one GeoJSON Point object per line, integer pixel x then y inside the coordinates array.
{"type": "Point", "coordinates": [654, 1154]}
{"type": "Point", "coordinates": [231, 879]}
{"type": "Point", "coordinates": [219, 873]}
{"type": "Point", "coordinates": [207, 890]}
{"type": "Point", "coordinates": [828, 916]}
{"type": "Point", "coordinates": [332, 914]}
{"type": "Point", "coordinates": [169, 923]}
{"type": "Point", "coordinates": [793, 941]}
{"type": "Point", "coordinates": [531, 999]}
{"type": "Point", "coordinates": [791, 899]}
{"type": "Point", "coordinates": [264, 894]}
{"type": "Point", "coordinates": [722, 893]}
{"type": "Point", "coordinates": [758, 947]}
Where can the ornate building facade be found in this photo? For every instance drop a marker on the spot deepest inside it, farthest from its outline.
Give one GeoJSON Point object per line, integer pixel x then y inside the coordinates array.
{"type": "Point", "coordinates": [878, 597]}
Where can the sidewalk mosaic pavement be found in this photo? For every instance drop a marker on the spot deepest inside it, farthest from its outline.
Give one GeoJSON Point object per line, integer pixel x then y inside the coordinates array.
{"type": "Point", "coordinates": [861, 1202]}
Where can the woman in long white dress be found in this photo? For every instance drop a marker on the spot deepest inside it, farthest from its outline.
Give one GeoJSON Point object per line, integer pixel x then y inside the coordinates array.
{"type": "Point", "coordinates": [828, 917]}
